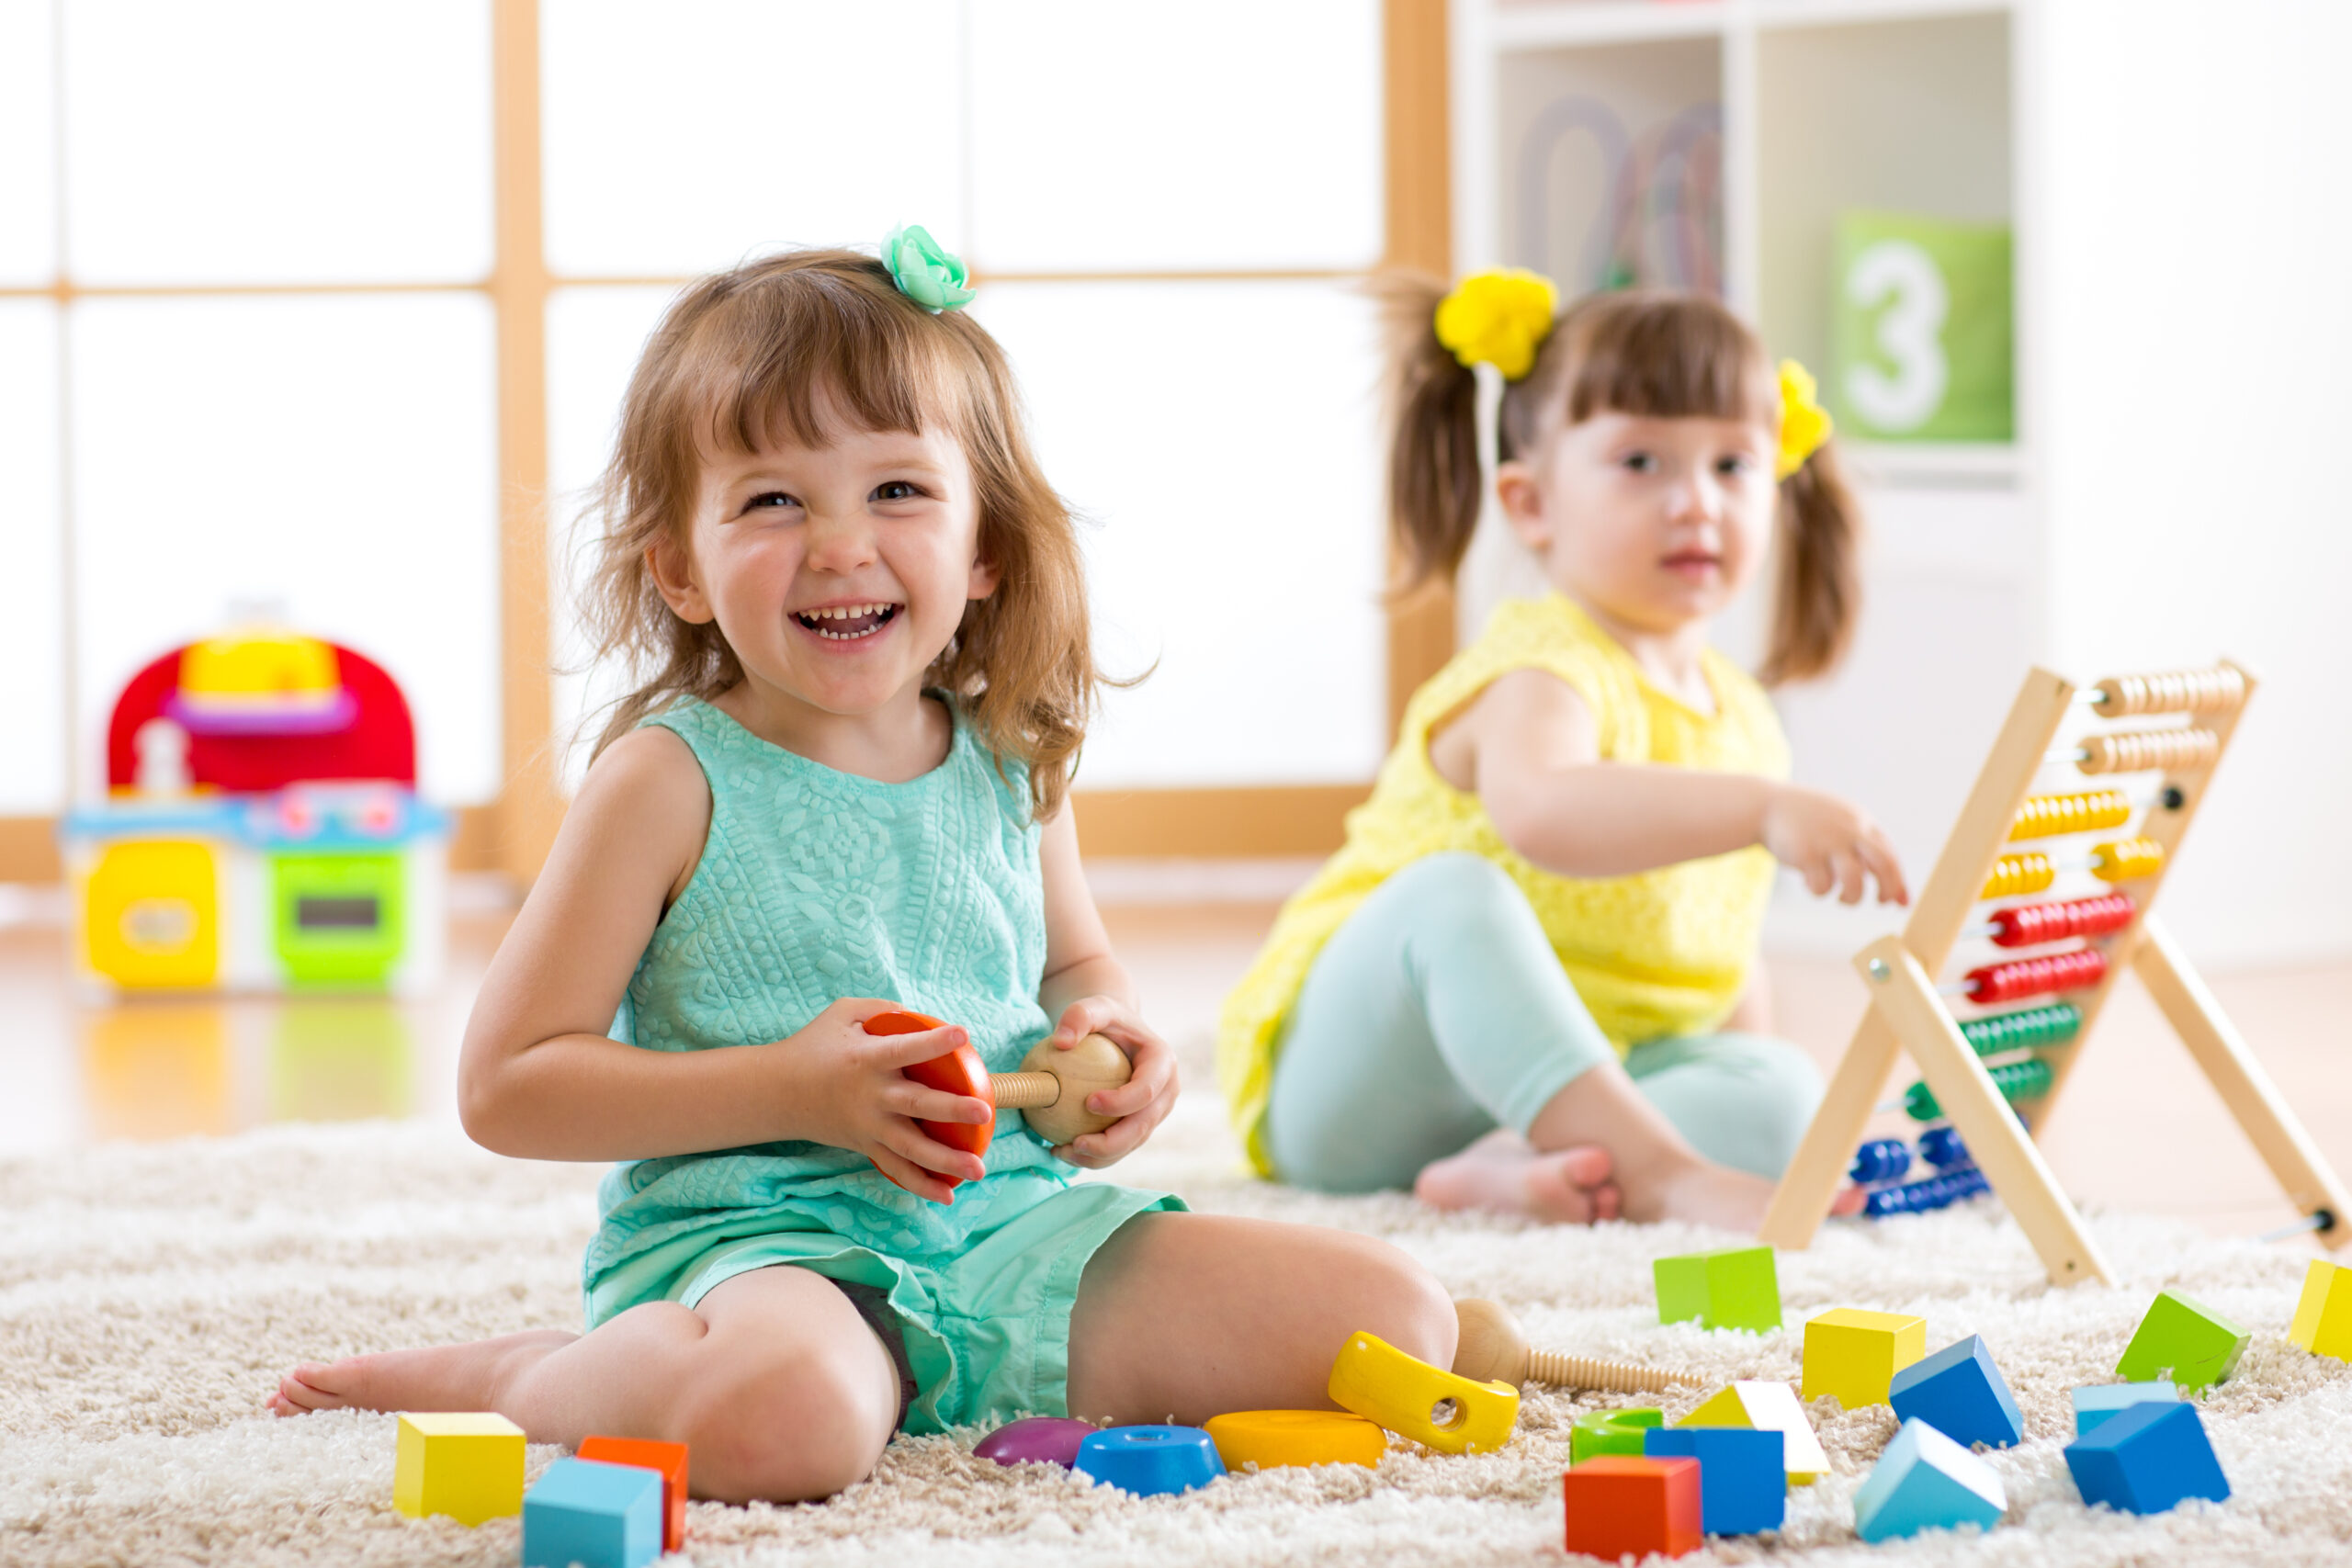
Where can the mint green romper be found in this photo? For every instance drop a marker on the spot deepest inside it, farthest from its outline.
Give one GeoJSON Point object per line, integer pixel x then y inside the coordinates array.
{"type": "Point", "coordinates": [814, 885]}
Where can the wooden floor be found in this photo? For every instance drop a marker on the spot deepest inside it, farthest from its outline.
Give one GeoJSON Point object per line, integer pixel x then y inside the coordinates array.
{"type": "Point", "coordinates": [2139, 1130]}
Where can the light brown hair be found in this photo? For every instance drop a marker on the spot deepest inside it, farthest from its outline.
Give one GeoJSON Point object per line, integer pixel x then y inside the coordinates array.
{"type": "Point", "coordinates": [745, 356]}
{"type": "Point", "coordinates": [1646, 354]}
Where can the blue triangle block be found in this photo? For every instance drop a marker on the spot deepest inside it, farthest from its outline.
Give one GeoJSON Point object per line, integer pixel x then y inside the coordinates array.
{"type": "Point", "coordinates": [1925, 1481]}
{"type": "Point", "coordinates": [1960, 1392]}
{"type": "Point", "coordinates": [1743, 1475]}
{"type": "Point", "coordinates": [2146, 1458]}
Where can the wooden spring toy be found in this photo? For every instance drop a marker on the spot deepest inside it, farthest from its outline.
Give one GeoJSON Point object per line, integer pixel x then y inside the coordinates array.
{"type": "Point", "coordinates": [1493, 1348]}
{"type": "Point", "coordinates": [1973, 1068]}
{"type": "Point", "coordinates": [1050, 1091]}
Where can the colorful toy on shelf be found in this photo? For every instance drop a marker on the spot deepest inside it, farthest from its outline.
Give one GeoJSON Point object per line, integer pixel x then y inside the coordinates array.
{"type": "Point", "coordinates": [1743, 1486]}
{"type": "Point", "coordinates": [1625, 1505]}
{"type": "Point", "coordinates": [468, 1465]}
{"type": "Point", "coordinates": [1150, 1462]}
{"type": "Point", "coordinates": [667, 1461]}
{"type": "Point", "coordinates": [261, 830]}
{"type": "Point", "coordinates": [2183, 1340]}
{"type": "Point", "coordinates": [2035, 1047]}
{"type": "Point", "coordinates": [1926, 1481]}
{"type": "Point", "coordinates": [1036, 1440]}
{"type": "Point", "coordinates": [2323, 1321]}
{"type": "Point", "coordinates": [597, 1514]}
{"type": "Point", "coordinates": [1402, 1393]}
{"type": "Point", "coordinates": [2096, 1401]}
{"type": "Point", "coordinates": [1050, 1090]}
{"type": "Point", "coordinates": [1730, 1287]}
{"type": "Point", "coordinates": [1960, 1392]}
{"type": "Point", "coordinates": [1490, 1347]}
{"type": "Point", "coordinates": [1767, 1407]}
{"type": "Point", "coordinates": [1596, 1432]}
{"type": "Point", "coordinates": [1272, 1438]}
{"type": "Point", "coordinates": [2147, 1459]}
{"type": "Point", "coordinates": [1854, 1355]}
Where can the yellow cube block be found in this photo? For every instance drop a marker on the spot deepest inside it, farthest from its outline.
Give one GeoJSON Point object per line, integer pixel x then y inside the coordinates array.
{"type": "Point", "coordinates": [2323, 1322]}
{"type": "Point", "coordinates": [468, 1466]}
{"type": "Point", "coordinates": [1382, 1383]}
{"type": "Point", "coordinates": [1270, 1438]}
{"type": "Point", "coordinates": [1854, 1355]}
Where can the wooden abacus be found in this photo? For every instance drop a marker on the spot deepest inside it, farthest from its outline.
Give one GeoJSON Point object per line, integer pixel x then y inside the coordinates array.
{"type": "Point", "coordinates": [1974, 1069]}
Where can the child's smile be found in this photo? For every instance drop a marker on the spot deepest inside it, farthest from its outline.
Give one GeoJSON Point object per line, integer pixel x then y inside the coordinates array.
{"type": "Point", "coordinates": [846, 623]}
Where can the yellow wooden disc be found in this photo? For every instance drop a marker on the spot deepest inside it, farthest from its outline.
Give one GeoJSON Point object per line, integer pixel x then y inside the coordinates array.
{"type": "Point", "coordinates": [1269, 1437]}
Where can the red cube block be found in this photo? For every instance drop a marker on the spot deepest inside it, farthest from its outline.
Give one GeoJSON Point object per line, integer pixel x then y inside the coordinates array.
{"type": "Point", "coordinates": [1619, 1504]}
{"type": "Point", "coordinates": [668, 1459]}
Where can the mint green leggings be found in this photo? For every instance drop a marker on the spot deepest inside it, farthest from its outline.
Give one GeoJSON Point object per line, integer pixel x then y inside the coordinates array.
{"type": "Point", "coordinates": [1438, 1012]}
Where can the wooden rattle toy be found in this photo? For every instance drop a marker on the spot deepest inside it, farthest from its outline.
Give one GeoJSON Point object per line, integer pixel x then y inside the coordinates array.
{"type": "Point", "coordinates": [1383, 1384]}
{"type": "Point", "coordinates": [1996, 1076]}
{"type": "Point", "coordinates": [1050, 1091]}
{"type": "Point", "coordinates": [1492, 1348]}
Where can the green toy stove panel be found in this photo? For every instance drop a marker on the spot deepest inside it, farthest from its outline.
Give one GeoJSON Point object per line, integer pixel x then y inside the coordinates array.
{"type": "Point", "coordinates": [338, 919]}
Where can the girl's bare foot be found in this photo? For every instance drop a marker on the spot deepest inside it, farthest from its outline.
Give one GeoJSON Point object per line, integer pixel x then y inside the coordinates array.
{"type": "Point", "coordinates": [445, 1376]}
{"type": "Point", "coordinates": [1500, 1172]}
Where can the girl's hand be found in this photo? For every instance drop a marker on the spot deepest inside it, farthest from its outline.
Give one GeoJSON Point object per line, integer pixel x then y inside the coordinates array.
{"type": "Point", "coordinates": [1831, 844]}
{"type": "Point", "coordinates": [853, 1087]}
{"type": "Point", "coordinates": [1142, 1102]}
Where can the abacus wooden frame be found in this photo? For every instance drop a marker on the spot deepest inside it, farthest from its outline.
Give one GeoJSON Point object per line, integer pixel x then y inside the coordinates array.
{"type": "Point", "coordinates": [1907, 1014]}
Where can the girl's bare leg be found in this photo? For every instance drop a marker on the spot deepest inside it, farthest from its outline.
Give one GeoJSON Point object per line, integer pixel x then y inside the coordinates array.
{"type": "Point", "coordinates": [773, 1380]}
{"type": "Point", "coordinates": [1186, 1316]}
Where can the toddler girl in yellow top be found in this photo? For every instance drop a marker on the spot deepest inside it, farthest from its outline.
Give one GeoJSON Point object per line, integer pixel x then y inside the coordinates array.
{"type": "Point", "coordinates": [1528, 981]}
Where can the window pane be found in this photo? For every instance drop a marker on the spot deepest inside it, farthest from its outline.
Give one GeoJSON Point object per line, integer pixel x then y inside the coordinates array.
{"type": "Point", "coordinates": [32, 633]}
{"type": "Point", "coordinates": [1234, 511]}
{"type": "Point", "coordinates": [1226, 134]}
{"type": "Point", "coordinates": [594, 338]}
{"type": "Point", "coordinates": [27, 143]}
{"type": "Point", "coordinates": [278, 141]}
{"type": "Point", "coordinates": [681, 137]}
{"type": "Point", "coordinates": [330, 459]}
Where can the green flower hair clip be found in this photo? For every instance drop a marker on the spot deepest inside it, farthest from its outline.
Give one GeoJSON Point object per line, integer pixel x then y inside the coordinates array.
{"type": "Point", "coordinates": [925, 271]}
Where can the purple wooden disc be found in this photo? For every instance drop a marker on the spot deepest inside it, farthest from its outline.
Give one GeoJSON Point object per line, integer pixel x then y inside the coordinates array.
{"type": "Point", "coordinates": [1035, 1439]}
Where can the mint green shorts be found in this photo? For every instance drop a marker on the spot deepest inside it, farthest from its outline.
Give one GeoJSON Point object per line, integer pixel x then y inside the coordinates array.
{"type": "Point", "coordinates": [985, 1328]}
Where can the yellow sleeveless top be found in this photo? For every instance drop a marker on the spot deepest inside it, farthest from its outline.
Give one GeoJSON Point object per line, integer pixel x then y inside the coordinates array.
{"type": "Point", "coordinates": [1659, 953]}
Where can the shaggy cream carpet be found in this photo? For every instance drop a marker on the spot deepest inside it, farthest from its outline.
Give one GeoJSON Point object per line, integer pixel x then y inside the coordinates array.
{"type": "Point", "coordinates": [149, 1297]}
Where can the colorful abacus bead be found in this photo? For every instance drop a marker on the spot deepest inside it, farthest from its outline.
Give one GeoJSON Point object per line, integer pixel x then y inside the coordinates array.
{"type": "Point", "coordinates": [2013, 874]}
{"type": "Point", "coordinates": [2150, 750]}
{"type": "Point", "coordinates": [1881, 1160]}
{"type": "Point", "coordinates": [2076, 970]}
{"type": "Point", "coordinates": [2016, 1080]}
{"type": "Point", "coordinates": [2127, 859]}
{"type": "Point", "coordinates": [2220, 689]}
{"type": "Point", "coordinates": [2046, 1025]}
{"type": "Point", "coordinates": [2031, 925]}
{"type": "Point", "coordinates": [1941, 1148]}
{"type": "Point", "coordinates": [2047, 816]}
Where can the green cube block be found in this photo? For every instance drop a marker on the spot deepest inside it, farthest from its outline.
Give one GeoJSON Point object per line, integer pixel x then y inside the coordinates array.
{"type": "Point", "coordinates": [2190, 1343]}
{"type": "Point", "coordinates": [1596, 1432]}
{"type": "Point", "coordinates": [1732, 1286]}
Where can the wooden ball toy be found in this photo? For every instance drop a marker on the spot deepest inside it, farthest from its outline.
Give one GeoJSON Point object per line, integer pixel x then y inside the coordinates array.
{"type": "Point", "coordinates": [1050, 1091]}
{"type": "Point", "coordinates": [1492, 1348]}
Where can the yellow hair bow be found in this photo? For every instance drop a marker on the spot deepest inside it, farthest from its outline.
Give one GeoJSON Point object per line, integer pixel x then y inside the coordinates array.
{"type": "Point", "coordinates": [1804, 423]}
{"type": "Point", "coordinates": [1498, 318]}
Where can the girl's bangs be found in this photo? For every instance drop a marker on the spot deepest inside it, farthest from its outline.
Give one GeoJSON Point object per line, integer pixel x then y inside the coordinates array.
{"type": "Point", "coordinates": [1668, 358]}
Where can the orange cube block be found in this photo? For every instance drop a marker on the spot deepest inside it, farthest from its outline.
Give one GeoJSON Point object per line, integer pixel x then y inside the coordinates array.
{"type": "Point", "coordinates": [1619, 1506]}
{"type": "Point", "coordinates": [667, 1459]}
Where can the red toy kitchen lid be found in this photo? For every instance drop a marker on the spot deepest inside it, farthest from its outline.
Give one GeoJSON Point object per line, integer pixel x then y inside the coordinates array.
{"type": "Point", "coordinates": [265, 709]}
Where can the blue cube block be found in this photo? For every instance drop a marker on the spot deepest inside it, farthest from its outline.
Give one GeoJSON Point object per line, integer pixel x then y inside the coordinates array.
{"type": "Point", "coordinates": [584, 1511]}
{"type": "Point", "coordinates": [1148, 1461]}
{"type": "Point", "coordinates": [1743, 1475]}
{"type": "Point", "coordinates": [2146, 1458]}
{"type": "Point", "coordinates": [1925, 1481]}
{"type": "Point", "coordinates": [2096, 1401]}
{"type": "Point", "coordinates": [1960, 1392]}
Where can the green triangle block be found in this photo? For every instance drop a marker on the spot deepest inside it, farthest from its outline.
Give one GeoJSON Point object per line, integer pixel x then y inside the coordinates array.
{"type": "Point", "coordinates": [2180, 1339]}
{"type": "Point", "coordinates": [1730, 1287]}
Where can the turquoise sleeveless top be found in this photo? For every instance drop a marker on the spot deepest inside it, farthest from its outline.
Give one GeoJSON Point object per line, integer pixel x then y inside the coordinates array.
{"type": "Point", "coordinates": [816, 885]}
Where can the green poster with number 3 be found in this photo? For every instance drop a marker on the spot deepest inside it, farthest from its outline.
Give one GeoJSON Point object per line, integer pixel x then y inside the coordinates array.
{"type": "Point", "coordinates": [1920, 329]}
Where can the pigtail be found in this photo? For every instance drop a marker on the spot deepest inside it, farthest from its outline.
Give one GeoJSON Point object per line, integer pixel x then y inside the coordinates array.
{"type": "Point", "coordinates": [1436, 484]}
{"type": "Point", "coordinates": [1818, 595]}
